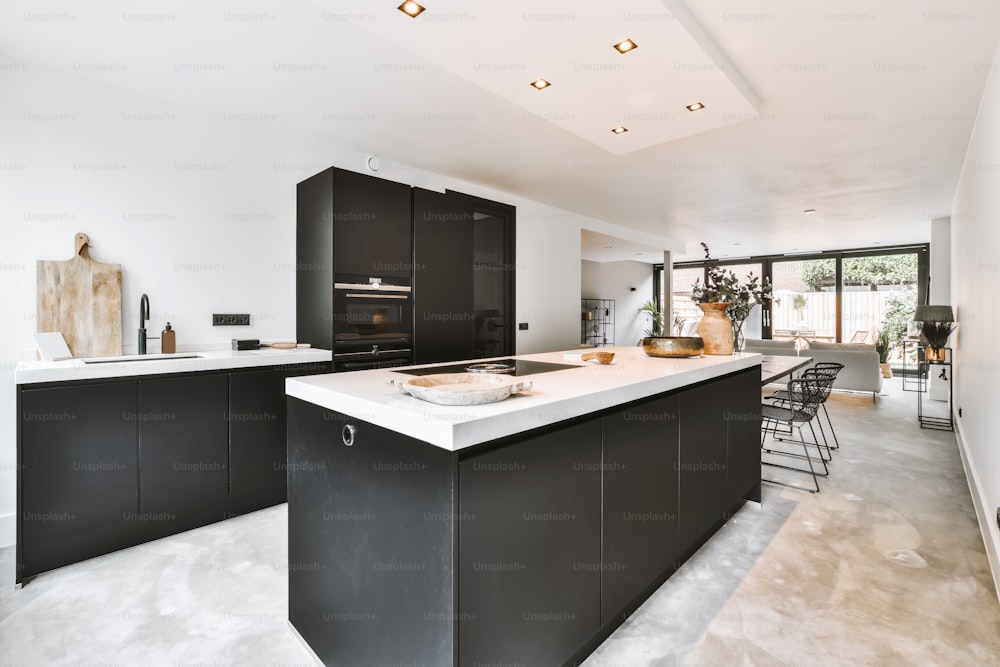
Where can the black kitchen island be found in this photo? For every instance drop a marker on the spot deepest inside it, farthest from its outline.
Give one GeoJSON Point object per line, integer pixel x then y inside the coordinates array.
{"type": "Point", "coordinates": [521, 532]}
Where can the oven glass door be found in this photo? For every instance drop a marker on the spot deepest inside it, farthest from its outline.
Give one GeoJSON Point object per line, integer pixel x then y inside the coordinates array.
{"type": "Point", "coordinates": [372, 316]}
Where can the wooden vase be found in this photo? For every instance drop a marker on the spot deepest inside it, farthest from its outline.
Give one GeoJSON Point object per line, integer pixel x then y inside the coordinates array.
{"type": "Point", "coordinates": [716, 329]}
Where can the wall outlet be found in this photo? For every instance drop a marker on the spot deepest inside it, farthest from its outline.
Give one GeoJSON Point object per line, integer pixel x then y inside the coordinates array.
{"type": "Point", "coordinates": [522, 326]}
{"type": "Point", "coordinates": [238, 320]}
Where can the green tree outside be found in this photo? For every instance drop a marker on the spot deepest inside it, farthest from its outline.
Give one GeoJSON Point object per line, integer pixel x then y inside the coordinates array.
{"type": "Point", "coordinates": [861, 271]}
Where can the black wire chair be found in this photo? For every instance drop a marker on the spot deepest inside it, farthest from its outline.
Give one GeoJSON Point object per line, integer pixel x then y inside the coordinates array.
{"type": "Point", "coordinates": [802, 402]}
{"type": "Point", "coordinates": [820, 368]}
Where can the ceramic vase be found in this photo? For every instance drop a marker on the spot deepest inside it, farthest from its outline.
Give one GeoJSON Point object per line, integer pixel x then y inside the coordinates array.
{"type": "Point", "coordinates": [716, 329]}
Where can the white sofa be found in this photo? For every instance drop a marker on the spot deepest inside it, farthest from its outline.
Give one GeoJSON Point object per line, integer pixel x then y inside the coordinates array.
{"type": "Point", "coordinates": [861, 371]}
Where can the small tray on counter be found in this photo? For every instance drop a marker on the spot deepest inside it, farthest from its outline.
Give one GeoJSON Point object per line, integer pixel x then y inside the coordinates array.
{"type": "Point", "coordinates": [461, 388]}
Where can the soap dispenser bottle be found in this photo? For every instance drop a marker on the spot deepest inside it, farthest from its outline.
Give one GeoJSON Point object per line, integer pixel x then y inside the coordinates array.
{"type": "Point", "coordinates": [168, 340]}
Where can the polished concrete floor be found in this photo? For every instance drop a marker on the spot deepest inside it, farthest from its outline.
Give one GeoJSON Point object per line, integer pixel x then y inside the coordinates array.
{"type": "Point", "coordinates": [885, 566]}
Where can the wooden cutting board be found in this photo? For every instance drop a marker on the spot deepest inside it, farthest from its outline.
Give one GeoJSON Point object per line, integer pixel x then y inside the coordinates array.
{"type": "Point", "coordinates": [82, 298]}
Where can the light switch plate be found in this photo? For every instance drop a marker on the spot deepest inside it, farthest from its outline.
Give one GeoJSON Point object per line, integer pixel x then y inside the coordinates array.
{"type": "Point", "coordinates": [51, 345]}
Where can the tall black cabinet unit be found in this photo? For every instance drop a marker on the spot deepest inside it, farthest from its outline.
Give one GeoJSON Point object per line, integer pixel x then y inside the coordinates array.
{"type": "Point", "coordinates": [347, 224]}
{"type": "Point", "coordinates": [444, 321]}
{"type": "Point", "coordinates": [456, 252]}
{"type": "Point", "coordinates": [463, 279]}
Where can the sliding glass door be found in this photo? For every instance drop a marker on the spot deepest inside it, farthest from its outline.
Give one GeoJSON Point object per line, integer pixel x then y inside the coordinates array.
{"type": "Point", "coordinates": [845, 296]}
{"type": "Point", "coordinates": [805, 299]}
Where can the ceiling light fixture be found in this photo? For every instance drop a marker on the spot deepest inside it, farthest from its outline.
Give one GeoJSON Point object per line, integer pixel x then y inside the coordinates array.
{"type": "Point", "coordinates": [625, 46]}
{"type": "Point", "coordinates": [621, 129]}
{"type": "Point", "coordinates": [411, 9]}
{"type": "Point", "coordinates": [809, 211]}
{"type": "Point", "coordinates": [697, 106]}
{"type": "Point", "coordinates": [540, 84]}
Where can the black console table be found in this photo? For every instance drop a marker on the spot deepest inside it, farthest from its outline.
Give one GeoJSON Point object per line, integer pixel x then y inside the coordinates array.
{"type": "Point", "coordinates": [943, 370]}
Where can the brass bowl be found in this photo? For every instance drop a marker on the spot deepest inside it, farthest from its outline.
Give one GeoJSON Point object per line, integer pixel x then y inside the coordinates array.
{"type": "Point", "coordinates": [673, 346]}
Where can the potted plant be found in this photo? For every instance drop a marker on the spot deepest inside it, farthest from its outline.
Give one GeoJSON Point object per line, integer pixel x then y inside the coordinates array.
{"type": "Point", "coordinates": [936, 334]}
{"type": "Point", "coordinates": [726, 303]}
{"type": "Point", "coordinates": [652, 309]}
{"type": "Point", "coordinates": [882, 344]}
{"type": "Point", "coordinates": [656, 343]}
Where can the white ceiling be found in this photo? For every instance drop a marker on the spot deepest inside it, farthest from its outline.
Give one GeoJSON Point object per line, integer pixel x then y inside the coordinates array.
{"type": "Point", "coordinates": [596, 247]}
{"type": "Point", "coordinates": [865, 108]}
{"type": "Point", "coordinates": [504, 46]}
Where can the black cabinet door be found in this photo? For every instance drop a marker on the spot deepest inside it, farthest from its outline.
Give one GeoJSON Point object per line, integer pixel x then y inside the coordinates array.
{"type": "Point", "coordinates": [257, 438]}
{"type": "Point", "coordinates": [530, 549]}
{"type": "Point", "coordinates": [371, 226]}
{"type": "Point", "coordinates": [703, 494]}
{"type": "Point", "coordinates": [183, 451]}
{"type": "Point", "coordinates": [444, 320]}
{"type": "Point", "coordinates": [79, 480]}
{"type": "Point", "coordinates": [314, 261]}
{"type": "Point", "coordinates": [370, 541]}
{"type": "Point", "coordinates": [743, 423]}
{"type": "Point", "coordinates": [640, 502]}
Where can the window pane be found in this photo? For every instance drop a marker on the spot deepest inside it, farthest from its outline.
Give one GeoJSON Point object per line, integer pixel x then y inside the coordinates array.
{"type": "Point", "coordinates": [686, 313]}
{"type": "Point", "coordinates": [805, 299]}
{"type": "Point", "coordinates": [879, 291]}
{"type": "Point", "coordinates": [752, 326]}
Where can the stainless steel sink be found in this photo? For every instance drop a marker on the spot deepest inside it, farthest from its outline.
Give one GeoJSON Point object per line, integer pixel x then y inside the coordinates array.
{"type": "Point", "coordinates": [126, 358]}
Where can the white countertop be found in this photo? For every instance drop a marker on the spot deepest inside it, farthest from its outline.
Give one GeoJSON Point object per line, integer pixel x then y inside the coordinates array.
{"type": "Point", "coordinates": [553, 397]}
{"type": "Point", "coordinates": [30, 372]}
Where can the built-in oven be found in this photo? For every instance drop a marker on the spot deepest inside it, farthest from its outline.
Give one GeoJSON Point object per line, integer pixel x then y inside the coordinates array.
{"type": "Point", "coordinates": [372, 322]}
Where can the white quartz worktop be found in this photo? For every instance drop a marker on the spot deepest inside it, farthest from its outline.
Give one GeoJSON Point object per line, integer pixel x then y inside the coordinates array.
{"type": "Point", "coordinates": [553, 397]}
{"type": "Point", "coordinates": [31, 372]}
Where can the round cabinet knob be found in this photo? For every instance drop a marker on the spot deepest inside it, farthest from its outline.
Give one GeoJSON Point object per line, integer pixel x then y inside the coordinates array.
{"type": "Point", "coordinates": [347, 434]}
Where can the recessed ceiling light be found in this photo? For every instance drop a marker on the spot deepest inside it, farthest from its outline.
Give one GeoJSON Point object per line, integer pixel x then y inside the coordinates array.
{"type": "Point", "coordinates": [540, 84]}
{"type": "Point", "coordinates": [621, 129]}
{"type": "Point", "coordinates": [625, 46]}
{"type": "Point", "coordinates": [809, 211]}
{"type": "Point", "coordinates": [411, 9]}
{"type": "Point", "coordinates": [697, 106]}
{"type": "Point", "coordinates": [737, 244]}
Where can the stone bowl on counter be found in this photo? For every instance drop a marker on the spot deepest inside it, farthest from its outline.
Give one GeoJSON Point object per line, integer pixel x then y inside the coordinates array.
{"type": "Point", "coordinates": [462, 388]}
{"type": "Point", "coordinates": [673, 346]}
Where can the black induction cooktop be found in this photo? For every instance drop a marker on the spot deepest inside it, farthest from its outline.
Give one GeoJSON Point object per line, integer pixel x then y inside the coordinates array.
{"type": "Point", "coordinates": [501, 366]}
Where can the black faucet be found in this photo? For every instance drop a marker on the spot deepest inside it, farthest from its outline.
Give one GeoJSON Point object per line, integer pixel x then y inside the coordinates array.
{"type": "Point", "coordinates": [143, 316]}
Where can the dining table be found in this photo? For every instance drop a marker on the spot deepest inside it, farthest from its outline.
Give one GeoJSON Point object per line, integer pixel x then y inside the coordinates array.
{"type": "Point", "coordinates": [773, 367]}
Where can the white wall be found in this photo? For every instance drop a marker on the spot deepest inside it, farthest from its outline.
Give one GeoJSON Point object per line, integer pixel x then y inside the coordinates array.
{"type": "Point", "coordinates": [613, 280]}
{"type": "Point", "coordinates": [975, 278]}
{"type": "Point", "coordinates": [200, 212]}
{"type": "Point", "coordinates": [940, 262]}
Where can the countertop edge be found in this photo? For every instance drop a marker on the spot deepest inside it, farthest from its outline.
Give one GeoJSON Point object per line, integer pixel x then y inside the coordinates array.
{"type": "Point", "coordinates": [454, 431]}
{"type": "Point", "coordinates": [211, 360]}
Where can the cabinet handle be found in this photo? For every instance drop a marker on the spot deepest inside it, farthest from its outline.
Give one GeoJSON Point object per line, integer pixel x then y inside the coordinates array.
{"type": "Point", "coordinates": [347, 434]}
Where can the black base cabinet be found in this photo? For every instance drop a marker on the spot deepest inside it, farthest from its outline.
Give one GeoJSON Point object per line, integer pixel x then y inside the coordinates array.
{"type": "Point", "coordinates": [183, 451]}
{"type": "Point", "coordinates": [257, 452]}
{"type": "Point", "coordinates": [105, 465]}
{"type": "Point", "coordinates": [641, 485]}
{"type": "Point", "coordinates": [529, 551]}
{"type": "Point", "coordinates": [370, 552]}
{"type": "Point", "coordinates": [78, 493]}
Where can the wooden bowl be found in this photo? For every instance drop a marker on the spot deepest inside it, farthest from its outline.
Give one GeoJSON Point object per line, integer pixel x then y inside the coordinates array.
{"type": "Point", "coordinates": [673, 346]}
{"type": "Point", "coordinates": [602, 357]}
